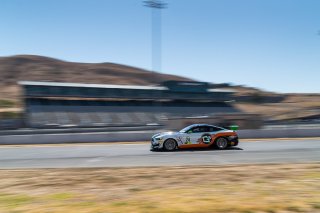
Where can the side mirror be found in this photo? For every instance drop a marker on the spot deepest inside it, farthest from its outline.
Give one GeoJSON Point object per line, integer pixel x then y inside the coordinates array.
{"type": "Point", "coordinates": [189, 132]}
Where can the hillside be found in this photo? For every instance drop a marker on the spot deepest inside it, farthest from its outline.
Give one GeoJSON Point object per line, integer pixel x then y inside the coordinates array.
{"type": "Point", "coordinates": [272, 106]}
{"type": "Point", "coordinates": [39, 68]}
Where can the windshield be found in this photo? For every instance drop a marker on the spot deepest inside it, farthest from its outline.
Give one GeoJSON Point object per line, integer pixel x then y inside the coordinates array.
{"type": "Point", "coordinates": [186, 129]}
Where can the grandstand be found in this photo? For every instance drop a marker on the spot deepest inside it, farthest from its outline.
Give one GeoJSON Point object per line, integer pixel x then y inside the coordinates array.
{"type": "Point", "coordinates": [53, 104]}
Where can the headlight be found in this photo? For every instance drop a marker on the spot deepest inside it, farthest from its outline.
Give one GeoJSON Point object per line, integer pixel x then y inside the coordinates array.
{"type": "Point", "coordinates": [158, 138]}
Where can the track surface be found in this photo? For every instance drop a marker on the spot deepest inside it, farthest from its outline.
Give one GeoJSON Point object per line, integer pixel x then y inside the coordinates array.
{"type": "Point", "coordinates": [128, 155]}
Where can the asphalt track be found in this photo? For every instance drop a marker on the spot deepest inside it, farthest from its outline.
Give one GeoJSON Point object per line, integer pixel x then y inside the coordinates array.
{"type": "Point", "coordinates": [138, 154]}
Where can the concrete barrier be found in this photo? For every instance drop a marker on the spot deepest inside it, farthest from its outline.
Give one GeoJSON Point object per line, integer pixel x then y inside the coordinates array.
{"type": "Point", "coordinates": [131, 136]}
{"type": "Point", "coordinates": [76, 137]}
{"type": "Point", "coordinates": [79, 130]}
{"type": "Point", "coordinates": [278, 133]}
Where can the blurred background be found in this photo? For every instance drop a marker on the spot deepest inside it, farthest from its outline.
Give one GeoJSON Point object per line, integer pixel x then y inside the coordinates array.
{"type": "Point", "coordinates": [159, 64]}
{"type": "Point", "coordinates": [93, 71]}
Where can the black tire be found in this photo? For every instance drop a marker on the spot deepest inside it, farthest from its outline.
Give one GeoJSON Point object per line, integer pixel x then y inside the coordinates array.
{"type": "Point", "coordinates": [221, 143]}
{"type": "Point", "coordinates": [170, 145]}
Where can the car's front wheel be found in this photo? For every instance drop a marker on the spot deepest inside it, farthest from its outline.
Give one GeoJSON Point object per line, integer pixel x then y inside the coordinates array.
{"type": "Point", "coordinates": [170, 145]}
{"type": "Point", "coordinates": [221, 143]}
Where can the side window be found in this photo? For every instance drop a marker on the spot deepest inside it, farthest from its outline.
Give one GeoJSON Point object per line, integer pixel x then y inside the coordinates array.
{"type": "Point", "coordinates": [214, 129]}
{"type": "Point", "coordinates": [200, 129]}
{"type": "Point", "coordinates": [196, 129]}
{"type": "Point", "coordinates": [204, 129]}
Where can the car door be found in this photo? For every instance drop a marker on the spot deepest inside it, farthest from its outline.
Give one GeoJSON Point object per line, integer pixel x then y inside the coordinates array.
{"type": "Point", "coordinates": [196, 134]}
{"type": "Point", "coordinates": [188, 138]}
{"type": "Point", "coordinates": [194, 137]}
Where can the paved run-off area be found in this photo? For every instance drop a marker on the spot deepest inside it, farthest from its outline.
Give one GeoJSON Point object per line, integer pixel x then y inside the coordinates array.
{"type": "Point", "coordinates": [138, 154]}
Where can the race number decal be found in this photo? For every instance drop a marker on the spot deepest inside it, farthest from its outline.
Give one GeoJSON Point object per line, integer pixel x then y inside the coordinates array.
{"type": "Point", "coordinates": [206, 138]}
{"type": "Point", "coordinates": [188, 141]}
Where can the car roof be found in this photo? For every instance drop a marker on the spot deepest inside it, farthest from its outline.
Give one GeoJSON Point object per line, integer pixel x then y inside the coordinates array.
{"type": "Point", "coordinates": [194, 125]}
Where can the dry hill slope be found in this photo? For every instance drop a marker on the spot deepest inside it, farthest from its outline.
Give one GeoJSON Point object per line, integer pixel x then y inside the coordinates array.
{"type": "Point", "coordinates": [39, 68]}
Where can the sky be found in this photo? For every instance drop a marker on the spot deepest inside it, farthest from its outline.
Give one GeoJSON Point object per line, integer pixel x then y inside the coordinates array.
{"type": "Point", "coordinates": [268, 44]}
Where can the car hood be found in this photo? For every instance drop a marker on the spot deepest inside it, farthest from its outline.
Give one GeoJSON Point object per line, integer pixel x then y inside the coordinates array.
{"type": "Point", "coordinates": [161, 134]}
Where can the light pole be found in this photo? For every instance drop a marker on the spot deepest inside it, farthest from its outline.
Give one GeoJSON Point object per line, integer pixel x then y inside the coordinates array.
{"type": "Point", "coordinates": [156, 6]}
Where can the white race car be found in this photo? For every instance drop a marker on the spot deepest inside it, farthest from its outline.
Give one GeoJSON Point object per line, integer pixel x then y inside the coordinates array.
{"type": "Point", "coordinates": [195, 136]}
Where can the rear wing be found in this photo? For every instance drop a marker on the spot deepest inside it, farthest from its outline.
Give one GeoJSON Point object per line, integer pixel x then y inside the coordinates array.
{"type": "Point", "coordinates": [232, 127]}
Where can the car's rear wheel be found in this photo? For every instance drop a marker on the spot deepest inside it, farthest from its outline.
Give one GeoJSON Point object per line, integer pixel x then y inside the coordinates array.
{"type": "Point", "coordinates": [221, 143]}
{"type": "Point", "coordinates": [170, 145]}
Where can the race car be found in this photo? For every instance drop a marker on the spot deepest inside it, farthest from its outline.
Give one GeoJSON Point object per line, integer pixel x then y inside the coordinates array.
{"type": "Point", "coordinates": [195, 136]}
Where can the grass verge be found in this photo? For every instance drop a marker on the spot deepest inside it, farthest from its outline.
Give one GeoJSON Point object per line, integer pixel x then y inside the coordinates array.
{"type": "Point", "coordinates": [244, 189]}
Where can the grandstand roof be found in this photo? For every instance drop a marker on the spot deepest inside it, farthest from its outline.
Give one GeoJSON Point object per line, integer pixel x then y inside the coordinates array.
{"type": "Point", "coordinates": [109, 86]}
{"type": "Point", "coordinates": [106, 86]}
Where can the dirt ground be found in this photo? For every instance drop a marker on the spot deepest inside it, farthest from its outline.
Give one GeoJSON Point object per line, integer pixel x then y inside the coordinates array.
{"type": "Point", "coordinates": [243, 188]}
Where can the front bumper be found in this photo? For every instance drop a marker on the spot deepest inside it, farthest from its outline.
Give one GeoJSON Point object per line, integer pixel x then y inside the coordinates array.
{"type": "Point", "coordinates": [155, 144]}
